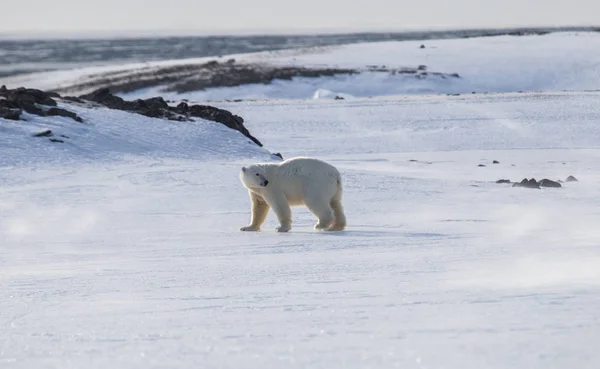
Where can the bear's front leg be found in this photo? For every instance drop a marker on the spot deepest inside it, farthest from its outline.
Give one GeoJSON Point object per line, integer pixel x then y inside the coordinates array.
{"type": "Point", "coordinates": [282, 209]}
{"type": "Point", "coordinates": [260, 208]}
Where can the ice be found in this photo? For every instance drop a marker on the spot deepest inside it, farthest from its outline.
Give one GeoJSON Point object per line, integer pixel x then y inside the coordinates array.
{"type": "Point", "coordinates": [121, 247]}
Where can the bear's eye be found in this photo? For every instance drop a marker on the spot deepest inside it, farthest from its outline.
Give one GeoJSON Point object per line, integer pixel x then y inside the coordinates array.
{"type": "Point", "coordinates": [257, 174]}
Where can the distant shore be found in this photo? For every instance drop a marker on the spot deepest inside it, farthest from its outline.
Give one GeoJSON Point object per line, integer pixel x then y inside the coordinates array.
{"type": "Point", "coordinates": [22, 55]}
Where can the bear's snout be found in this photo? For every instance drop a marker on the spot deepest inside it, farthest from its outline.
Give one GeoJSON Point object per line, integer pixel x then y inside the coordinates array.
{"type": "Point", "coordinates": [264, 183]}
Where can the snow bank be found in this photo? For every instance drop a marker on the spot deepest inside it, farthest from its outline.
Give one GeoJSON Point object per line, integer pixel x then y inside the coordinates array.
{"type": "Point", "coordinates": [107, 135]}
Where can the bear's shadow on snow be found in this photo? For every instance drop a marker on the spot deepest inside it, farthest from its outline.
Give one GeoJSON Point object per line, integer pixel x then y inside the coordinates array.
{"type": "Point", "coordinates": [349, 232]}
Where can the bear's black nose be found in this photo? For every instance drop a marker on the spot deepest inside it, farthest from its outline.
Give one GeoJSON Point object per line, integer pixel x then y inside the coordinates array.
{"type": "Point", "coordinates": [265, 183]}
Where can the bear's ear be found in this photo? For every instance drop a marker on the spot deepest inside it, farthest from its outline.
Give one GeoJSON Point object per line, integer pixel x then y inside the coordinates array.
{"type": "Point", "coordinates": [243, 169]}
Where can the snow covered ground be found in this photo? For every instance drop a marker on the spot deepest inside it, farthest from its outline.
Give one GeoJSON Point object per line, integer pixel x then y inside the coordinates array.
{"type": "Point", "coordinates": [121, 246]}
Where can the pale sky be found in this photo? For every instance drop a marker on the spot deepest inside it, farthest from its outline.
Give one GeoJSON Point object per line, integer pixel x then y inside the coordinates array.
{"type": "Point", "coordinates": [73, 17]}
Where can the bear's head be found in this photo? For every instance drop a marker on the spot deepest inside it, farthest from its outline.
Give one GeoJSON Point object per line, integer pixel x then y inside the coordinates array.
{"type": "Point", "coordinates": [253, 176]}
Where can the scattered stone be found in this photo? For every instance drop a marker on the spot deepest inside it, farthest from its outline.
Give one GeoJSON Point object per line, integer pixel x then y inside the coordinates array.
{"type": "Point", "coordinates": [422, 46]}
{"type": "Point", "coordinates": [495, 162]}
{"type": "Point", "coordinates": [481, 165]}
{"type": "Point", "coordinates": [46, 133]}
{"type": "Point", "coordinates": [413, 160]}
{"type": "Point", "coordinates": [549, 183]}
{"type": "Point", "coordinates": [278, 155]}
{"type": "Point", "coordinates": [9, 113]}
{"type": "Point", "coordinates": [338, 97]}
{"type": "Point", "coordinates": [56, 140]}
{"type": "Point", "coordinates": [63, 113]}
{"type": "Point", "coordinates": [571, 179]}
{"type": "Point", "coordinates": [531, 183]}
{"type": "Point", "coordinates": [64, 136]}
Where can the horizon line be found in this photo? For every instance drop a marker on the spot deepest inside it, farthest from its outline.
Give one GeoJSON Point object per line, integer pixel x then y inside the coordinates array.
{"type": "Point", "coordinates": [295, 32]}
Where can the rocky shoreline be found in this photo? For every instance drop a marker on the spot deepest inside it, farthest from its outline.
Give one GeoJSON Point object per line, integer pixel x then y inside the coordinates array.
{"type": "Point", "coordinates": [13, 102]}
{"type": "Point", "coordinates": [230, 73]}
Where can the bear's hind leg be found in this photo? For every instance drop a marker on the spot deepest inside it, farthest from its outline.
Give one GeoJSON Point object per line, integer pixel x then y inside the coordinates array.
{"type": "Point", "coordinates": [339, 223]}
{"type": "Point", "coordinates": [321, 209]}
{"type": "Point", "coordinates": [260, 209]}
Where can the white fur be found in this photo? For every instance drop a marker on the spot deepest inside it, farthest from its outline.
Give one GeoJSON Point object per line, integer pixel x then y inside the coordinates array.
{"type": "Point", "coordinates": [295, 182]}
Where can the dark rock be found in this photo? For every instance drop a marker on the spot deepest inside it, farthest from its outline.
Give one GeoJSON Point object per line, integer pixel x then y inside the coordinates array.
{"type": "Point", "coordinates": [549, 183]}
{"type": "Point", "coordinates": [222, 116]}
{"type": "Point", "coordinates": [503, 181]}
{"type": "Point", "coordinates": [63, 113]}
{"type": "Point", "coordinates": [495, 162]}
{"type": "Point", "coordinates": [56, 140]}
{"type": "Point", "coordinates": [31, 95]}
{"type": "Point", "coordinates": [31, 101]}
{"type": "Point", "coordinates": [481, 165]}
{"type": "Point", "coordinates": [155, 103]}
{"type": "Point", "coordinates": [338, 97]}
{"type": "Point", "coordinates": [73, 99]}
{"type": "Point", "coordinates": [422, 67]}
{"type": "Point", "coordinates": [46, 133]}
{"type": "Point", "coordinates": [104, 97]}
{"type": "Point", "coordinates": [532, 183]}
{"type": "Point", "coordinates": [154, 107]}
{"type": "Point", "coordinates": [32, 108]}
{"type": "Point", "coordinates": [571, 179]}
{"type": "Point", "coordinates": [65, 136]}
{"type": "Point", "coordinates": [278, 155]}
{"type": "Point", "coordinates": [422, 47]}
{"type": "Point", "coordinates": [9, 113]}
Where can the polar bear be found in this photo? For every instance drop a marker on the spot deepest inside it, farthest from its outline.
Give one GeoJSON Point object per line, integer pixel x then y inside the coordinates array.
{"type": "Point", "coordinates": [295, 182]}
